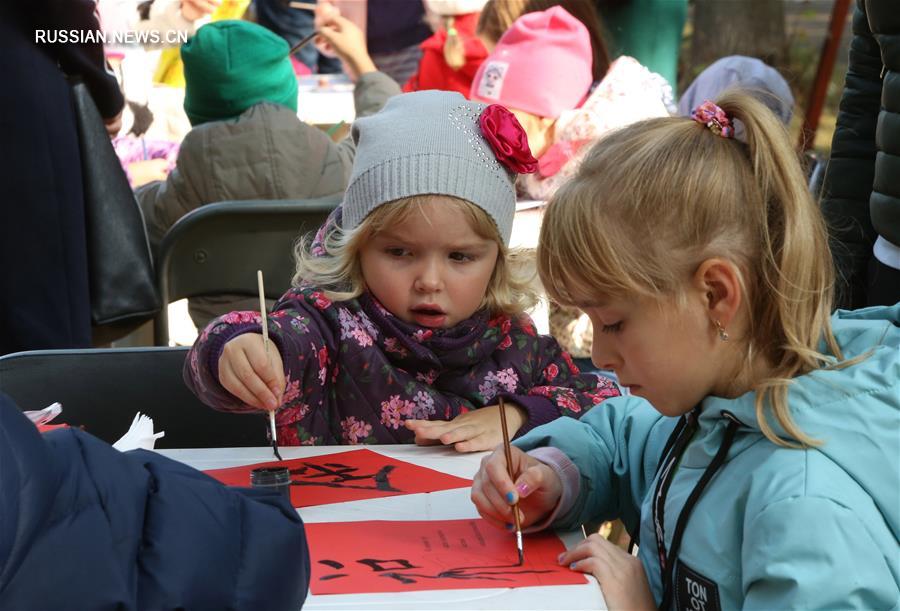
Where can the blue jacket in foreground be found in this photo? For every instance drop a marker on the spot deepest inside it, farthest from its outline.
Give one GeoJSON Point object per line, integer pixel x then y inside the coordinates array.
{"type": "Point", "coordinates": [776, 528]}
{"type": "Point", "coordinates": [84, 526]}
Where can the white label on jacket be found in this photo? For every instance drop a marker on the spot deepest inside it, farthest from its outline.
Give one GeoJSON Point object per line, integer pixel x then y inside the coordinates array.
{"type": "Point", "coordinates": [694, 592]}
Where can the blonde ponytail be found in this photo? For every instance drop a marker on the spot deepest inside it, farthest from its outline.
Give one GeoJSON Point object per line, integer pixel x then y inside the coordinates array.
{"type": "Point", "coordinates": [454, 49]}
{"type": "Point", "coordinates": [791, 306]}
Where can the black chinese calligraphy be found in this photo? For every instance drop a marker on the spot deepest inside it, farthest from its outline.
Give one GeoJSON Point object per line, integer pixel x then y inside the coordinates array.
{"type": "Point", "coordinates": [335, 565]}
{"type": "Point", "coordinates": [336, 475]}
{"type": "Point", "coordinates": [401, 570]}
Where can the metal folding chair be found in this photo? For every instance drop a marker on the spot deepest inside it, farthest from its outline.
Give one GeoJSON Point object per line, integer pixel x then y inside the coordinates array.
{"type": "Point", "coordinates": [217, 248]}
{"type": "Point", "coordinates": [101, 389]}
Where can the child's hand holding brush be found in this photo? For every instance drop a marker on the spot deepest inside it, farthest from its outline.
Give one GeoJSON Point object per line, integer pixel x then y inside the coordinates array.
{"type": "Point", "coordinates": [251, 375]}
{"type": "Point", "coordinates": [534, 486]}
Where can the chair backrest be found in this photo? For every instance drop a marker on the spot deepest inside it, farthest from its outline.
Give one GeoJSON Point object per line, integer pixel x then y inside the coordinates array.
{"type": "Point", "coordinates": [101, 389]}
{"type": "Point", "coordinates": [217, 249]}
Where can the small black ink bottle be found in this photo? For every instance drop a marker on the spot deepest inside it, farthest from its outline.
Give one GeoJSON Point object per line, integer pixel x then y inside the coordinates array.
{"type": "Point", "coordinates": [273, 478]}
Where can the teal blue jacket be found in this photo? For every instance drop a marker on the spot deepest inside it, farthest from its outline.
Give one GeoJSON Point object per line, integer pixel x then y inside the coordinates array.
{"type": "Point", "coordinates": [775, 528]}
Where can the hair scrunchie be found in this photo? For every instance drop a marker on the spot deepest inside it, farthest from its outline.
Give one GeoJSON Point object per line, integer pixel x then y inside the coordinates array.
{"type": "Point", "coordinates": [713, 117]}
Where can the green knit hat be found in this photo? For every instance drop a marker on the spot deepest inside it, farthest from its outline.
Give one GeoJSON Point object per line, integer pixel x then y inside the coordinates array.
{"type": "Point", "coordinates": [231, 65]}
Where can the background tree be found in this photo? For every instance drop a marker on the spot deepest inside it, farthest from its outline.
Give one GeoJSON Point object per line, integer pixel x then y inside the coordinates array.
{"type": "Point", "coordinates": [738, 27]}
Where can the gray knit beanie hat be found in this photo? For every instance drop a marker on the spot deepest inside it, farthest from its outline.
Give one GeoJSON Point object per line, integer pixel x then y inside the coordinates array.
{"type": "Point", "coordinates": [437, 142]}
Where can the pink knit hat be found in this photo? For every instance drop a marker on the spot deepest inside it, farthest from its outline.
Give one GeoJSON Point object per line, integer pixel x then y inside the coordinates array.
{"type": "Point", "coordinates": [542, 65]}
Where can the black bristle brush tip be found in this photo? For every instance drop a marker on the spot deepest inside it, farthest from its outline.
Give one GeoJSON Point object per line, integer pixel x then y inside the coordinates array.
{"type": "Point", "coordinates": [275, 449]}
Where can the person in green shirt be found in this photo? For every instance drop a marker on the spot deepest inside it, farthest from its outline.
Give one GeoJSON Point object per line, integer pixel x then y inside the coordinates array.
{"type": "Point", "coordinates": [647, 30]}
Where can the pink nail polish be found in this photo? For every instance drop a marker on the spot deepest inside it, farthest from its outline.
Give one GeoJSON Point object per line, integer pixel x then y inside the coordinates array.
{"type": "Point", "coordinates": [523, 489]}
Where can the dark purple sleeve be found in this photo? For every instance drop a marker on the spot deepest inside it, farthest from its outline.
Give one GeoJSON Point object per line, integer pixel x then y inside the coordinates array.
{"type": "Point", "coordinates": [541, 410]}
{"type": "Point", "coordinates": [297, 338]}
{"type": "Point", "coordinates": [550, 384]}
{"type": "Point", "coordinates": [557, 379]}
{"type": "Point", "coordinates": [201, 367]}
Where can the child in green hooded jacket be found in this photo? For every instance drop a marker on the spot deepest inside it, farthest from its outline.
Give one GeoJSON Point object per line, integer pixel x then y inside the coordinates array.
{"type": "Point", "coordinates": [247, 141]}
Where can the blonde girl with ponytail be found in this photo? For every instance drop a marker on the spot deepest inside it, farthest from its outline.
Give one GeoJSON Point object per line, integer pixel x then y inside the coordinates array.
{"type": "Point", "coordinates": [756, 458]}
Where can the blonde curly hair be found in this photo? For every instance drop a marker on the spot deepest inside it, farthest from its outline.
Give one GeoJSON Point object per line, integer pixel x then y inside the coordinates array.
{"type": "Point", "coordinates": [339, 273]}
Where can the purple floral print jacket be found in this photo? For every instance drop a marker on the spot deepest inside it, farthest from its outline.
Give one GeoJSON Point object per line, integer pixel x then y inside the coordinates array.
{"type": "Point", "coordinates": [354, 371]}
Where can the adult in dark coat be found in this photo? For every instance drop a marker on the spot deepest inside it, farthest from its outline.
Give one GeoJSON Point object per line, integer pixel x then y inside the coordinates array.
{"type": "Point", "coordinates": [861, 193]}
{"type": "Point", "coordinates": [44, 297]}
{"type": "Point", "coordinates": [394, 30]}
{"type": "Point", "coordinates": [84, 526]}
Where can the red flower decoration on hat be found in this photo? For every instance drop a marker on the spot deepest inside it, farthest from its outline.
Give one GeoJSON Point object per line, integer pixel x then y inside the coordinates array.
{"type": "Point", "coordinates": [507, 139]}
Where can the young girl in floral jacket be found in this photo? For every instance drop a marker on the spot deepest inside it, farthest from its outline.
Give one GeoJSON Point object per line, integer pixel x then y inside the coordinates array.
{"type": "Point", "coordinates": [407, 319]}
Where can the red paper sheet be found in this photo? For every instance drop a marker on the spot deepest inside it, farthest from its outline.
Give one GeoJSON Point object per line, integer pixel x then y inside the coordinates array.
{"type": "Point", "coordinates": [382, 556]}
{"type": "Point", "coordinates": [348, 476]}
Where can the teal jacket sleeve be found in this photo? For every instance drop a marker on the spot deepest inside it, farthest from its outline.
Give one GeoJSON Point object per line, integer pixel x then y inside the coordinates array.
{"type": "Point", "coordinates": [616, 447]}
{"type": "Point", "coordinates": [828, 563]}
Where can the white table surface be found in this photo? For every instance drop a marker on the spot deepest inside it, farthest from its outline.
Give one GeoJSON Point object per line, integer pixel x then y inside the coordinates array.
{"type": "Point", "coordinates": [325, 99]}
{"type": "Point", "coordinates": [443, 505]}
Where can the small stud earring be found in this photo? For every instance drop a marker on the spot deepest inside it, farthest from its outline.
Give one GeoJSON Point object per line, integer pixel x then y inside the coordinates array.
{"type": "Point", "coordinates": [723, 335]}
